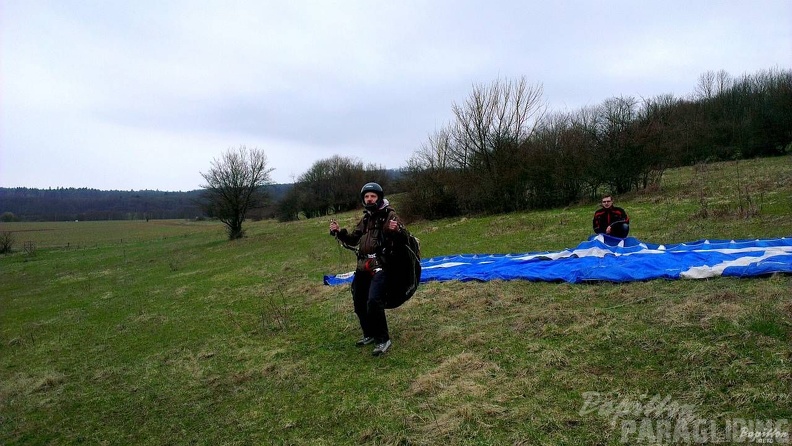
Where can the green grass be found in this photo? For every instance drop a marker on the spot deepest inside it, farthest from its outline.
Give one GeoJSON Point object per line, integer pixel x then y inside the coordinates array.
{"type": "Point", "coordinates": [166, 333]}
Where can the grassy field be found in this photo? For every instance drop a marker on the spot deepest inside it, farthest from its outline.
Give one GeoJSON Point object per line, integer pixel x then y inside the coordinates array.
{"type": "Point", "coordinates": [165, 333]}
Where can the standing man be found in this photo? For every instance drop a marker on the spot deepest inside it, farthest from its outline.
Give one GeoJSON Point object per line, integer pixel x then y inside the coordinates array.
{"type": "Point", "coordinates": [375, 233]}
{"type": "Point", "coordinates": [607, 215]}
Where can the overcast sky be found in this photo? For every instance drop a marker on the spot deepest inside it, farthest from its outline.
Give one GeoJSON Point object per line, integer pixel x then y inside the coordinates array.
{"type": "Point", "coordinates": [141, 94]}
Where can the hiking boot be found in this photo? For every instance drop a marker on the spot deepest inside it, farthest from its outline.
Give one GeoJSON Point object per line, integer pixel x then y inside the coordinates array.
{"type": "Point", "coordinates": [381, 348]}
{"type": "Point", "coordinates": [365, 340]}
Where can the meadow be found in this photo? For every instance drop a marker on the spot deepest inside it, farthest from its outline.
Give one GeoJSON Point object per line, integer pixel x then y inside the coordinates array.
{"type": "Point", "coordinates": [164, 332]}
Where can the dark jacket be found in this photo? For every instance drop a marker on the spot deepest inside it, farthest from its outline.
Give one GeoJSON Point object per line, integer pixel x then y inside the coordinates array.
{"type": "Point", "coordinates": [604, 217]}
{"type": "Point", "coordinates": [370, 237]}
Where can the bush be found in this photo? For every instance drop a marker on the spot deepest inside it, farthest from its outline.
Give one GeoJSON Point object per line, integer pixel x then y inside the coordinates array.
{"type": "Point", "coordinates": [6, 242]}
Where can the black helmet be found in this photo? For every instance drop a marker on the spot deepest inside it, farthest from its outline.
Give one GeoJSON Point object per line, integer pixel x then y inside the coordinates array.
{"type": "Point", "coordinates": [372, 187]}
{"type": "Point", "coordinates": [377, 189]}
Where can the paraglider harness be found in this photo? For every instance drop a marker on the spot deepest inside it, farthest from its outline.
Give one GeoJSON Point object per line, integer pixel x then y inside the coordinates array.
{"type": "Point", "coordinates": [402, 260]}
{"type": "Point", "coordinates": [620, 229]}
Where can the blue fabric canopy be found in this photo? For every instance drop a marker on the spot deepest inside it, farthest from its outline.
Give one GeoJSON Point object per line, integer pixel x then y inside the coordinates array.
{"type": "Point", "coordinates": [605, 258]}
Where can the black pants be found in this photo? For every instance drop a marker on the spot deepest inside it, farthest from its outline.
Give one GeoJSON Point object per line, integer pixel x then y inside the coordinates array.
{"type": "Point", "coordinates": [369, 296]}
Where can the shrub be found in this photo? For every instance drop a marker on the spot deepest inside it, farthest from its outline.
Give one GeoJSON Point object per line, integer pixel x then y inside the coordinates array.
{"type": "Point", "coordinates": [6, 242]}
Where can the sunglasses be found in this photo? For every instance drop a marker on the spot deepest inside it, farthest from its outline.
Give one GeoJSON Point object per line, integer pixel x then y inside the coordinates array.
{"type": "Point", "coordinates": [606, 201]}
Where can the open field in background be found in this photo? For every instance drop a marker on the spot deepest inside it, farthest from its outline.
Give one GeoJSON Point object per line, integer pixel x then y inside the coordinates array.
{"type": "Point", "coordinates": [166, 333]}
{"type": "Point", "coordinates": [85, 234]}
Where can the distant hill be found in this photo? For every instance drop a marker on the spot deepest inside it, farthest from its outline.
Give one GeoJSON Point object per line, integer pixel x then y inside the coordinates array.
{"type": "Point", "coordinates": [66, 204]}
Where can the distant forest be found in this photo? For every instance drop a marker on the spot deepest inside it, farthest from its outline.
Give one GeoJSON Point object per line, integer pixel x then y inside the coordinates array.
{"type": "Point", "coordinates": [68, 204]}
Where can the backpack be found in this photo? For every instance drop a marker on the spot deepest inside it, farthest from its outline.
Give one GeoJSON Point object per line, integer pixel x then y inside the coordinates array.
{"type": "Point", "coordinates": [404, 271]}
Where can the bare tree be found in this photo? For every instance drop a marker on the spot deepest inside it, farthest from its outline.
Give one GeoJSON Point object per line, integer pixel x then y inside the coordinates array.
{"type": "Point", "coordinates": [487, 140]}
{"type": "Point", "coordinates": [711, 84]}
{"type": "Point", "coordinates": [431, 178]}
{"type": "Point", "coordinates": [723, 81]}
{"type": "Point", "coordinates": [617, 144]}
{"type": "Point", "coordinates": [234, 185]}
{"type": "Point", "coordinates": [502, 111]}
{"type": "Point", "coordinates": [705, 89]}
{"type": "Point", "coordinates": [6, 242]}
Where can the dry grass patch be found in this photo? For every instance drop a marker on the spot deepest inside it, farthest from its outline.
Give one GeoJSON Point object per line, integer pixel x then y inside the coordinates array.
{"type": "Point", "coordinates": [699, 312]}
{"type": "Point", "coordinates": [456, 392]}
{"type": "Point", "coordinates": [21, 386]}
{"type": "Point", "coordinates": [462, 374]}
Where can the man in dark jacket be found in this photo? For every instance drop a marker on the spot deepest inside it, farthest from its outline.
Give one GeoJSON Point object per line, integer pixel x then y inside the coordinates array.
{"type": "Point", "coordinates": [379, 229]}
{"type": "Point", "coordinates": [609, 214]}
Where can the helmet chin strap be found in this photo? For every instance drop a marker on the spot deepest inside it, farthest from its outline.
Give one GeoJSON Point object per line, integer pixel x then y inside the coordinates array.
{"type": "Point", "coordinates": [373, 206]}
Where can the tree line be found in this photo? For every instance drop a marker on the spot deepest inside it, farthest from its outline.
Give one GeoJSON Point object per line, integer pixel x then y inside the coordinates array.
{"type": "Point", "coordinates": [329, 186]}
{"type": "Point", "coordinates": [505, 151]}
{"type": "Point", "coordinates": [69, 204]}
